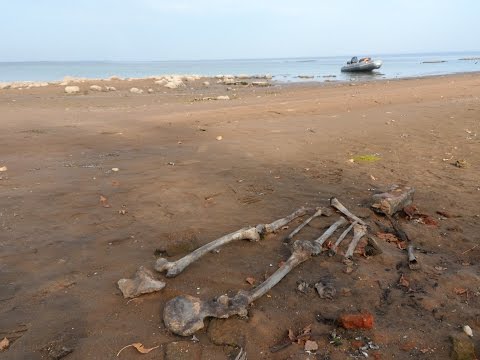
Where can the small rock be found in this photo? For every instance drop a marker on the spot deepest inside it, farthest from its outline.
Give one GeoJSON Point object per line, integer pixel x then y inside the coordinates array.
{"type": "Point", "coordinates": [4, 344]}
{"type": "Point", "coordinates": [110, 88]}
{"type": "Point", "coordinates": [468, 330]}
{"type": "Point", "coordinates": [261, 83]}
{"type": "Point", "coordinates": [223, 97]}
{"type": "Point", "coordinates": [150, 91]}
{"type": "Point", "coordinates": [461, 163]}
{"type": "Point", "coordinates": [356, 321]}
{"type": "Point", "coordinates": [463, 348]}
{"type": "Point", "coordinates": [326, 291]}
{"type": "Point", "coordinates": [135, 90]}
{"type": "Point", "coordinates": [143, 283]}
{"type": "Point", "coordinates": [183, 350]}
{"type": "Point", "coordinates": [96, 88]}
{"type": "Point", "coordinates": [174, 84]}
{"type": "Point", "coordinates": [219, 138]}
{"type": "Point", "coordinates": [311, 345]}
{"type": "Point", "coordinates": [302, 286]}
{"type": "Point", "coordinates": [206, 83]}
{"type": "Point", "coordinates": [72, 89]}
{"type": "Point", "coordinates": [3, 169]}
{"type": "Point", "coordinates": [115, 169]}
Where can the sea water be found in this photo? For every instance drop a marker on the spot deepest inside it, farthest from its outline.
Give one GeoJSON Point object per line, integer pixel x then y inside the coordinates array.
{"type": "Point", "coordinates": [284, 70]}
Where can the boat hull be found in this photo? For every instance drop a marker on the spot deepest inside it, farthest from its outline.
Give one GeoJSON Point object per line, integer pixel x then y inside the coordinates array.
{"type": "Point", "coordinates": [362, 67]}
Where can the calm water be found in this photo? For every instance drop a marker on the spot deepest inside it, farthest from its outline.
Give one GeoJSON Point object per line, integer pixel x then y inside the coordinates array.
{"type": "Point", "coordinates": [394, 66]}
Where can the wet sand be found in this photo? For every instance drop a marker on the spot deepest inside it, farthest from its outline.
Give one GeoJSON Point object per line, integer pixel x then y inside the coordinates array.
{"type": "Point", "coordinates": [282, 147]}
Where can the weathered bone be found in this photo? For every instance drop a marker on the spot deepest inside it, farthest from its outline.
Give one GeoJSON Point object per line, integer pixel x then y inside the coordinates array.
{"type": "Point", "coordinates": [184, 315]}
{"type": "Point", "coordinates": [358, 232]}
{"type": "Point", "coordinates": [338, 205]}
{"type": "Point", "coordinates": [413, 264]}
{"type": "Point", "coordinates": [394, 200]}
{"type": "Point", "coordinates": [248, 233]}
{"type": "Point", "coordinates": [143, 283]}
{"type": "Point", "coordinates": [333, 250]}
{"type": "Point", "coordinates": [318, 213]}
{"type": "Point", "coordinates": [319, 242]}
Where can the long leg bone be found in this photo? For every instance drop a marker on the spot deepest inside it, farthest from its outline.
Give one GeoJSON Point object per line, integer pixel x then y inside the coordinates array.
{"type": "Point", "coordinates": [338, 205]}
{"type": "Point", "coordinates": [358, 232]}
{"type": "Point", "coordinates": [334, 248]}
{"type": "Point", "coordinates": [305, 223]}
{"type": "Point", "coordinates": [184, 315]}
{"type": "Point", "coordinates": [249, 233]}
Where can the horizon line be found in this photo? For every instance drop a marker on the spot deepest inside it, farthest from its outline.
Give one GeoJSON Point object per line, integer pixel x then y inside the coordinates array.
{"type": "Point", "coordinates": [241, 59]}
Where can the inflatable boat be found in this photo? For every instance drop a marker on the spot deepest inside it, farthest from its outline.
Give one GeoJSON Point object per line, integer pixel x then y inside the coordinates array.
{"type": "Point", "coordinates": [361, 65]}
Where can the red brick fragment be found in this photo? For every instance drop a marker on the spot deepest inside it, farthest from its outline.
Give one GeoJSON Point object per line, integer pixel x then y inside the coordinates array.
{"type": "Point", "coordinates": [356, 321]}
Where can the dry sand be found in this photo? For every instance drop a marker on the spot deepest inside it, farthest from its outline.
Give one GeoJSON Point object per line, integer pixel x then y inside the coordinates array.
{"type": "Point", "coordinates": [282, 147]}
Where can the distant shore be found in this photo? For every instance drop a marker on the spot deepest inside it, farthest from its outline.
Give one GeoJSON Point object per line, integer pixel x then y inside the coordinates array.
{"type": "Point", "coordinates": [281, 70]}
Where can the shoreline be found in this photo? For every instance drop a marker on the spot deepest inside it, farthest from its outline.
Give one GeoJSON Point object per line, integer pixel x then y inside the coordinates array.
{"type": "Point", "coordinates": [245, 80]}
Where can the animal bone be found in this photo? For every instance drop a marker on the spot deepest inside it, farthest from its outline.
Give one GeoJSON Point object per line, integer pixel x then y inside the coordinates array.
{"type": "Point", "coordinates": [143, 283]}
{"type": "Point", "coordinates": [358, 232]}
{"type": "Point", "coordinates": [305, 223]}
{"type": "Point", "coordinates": [248, 233]}
{"type": "Point", "coordinates": [338, 205]}
{"type": "Point", "coordinates": [334, 248]}
{"type": "Point", "coordinates": [394, 200]}
{"type": "Point", "coordinates": [184, 315]}
{"type": "Point", "coordinates": [319, 242]}
{"type": "Point", "coordinates": [413, 264]}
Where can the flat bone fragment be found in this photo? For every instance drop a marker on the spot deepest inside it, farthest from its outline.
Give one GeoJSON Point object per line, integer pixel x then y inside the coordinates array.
{"type": "Point", "coordinates": [338, 205]}
{"type": "Point", "coordinates": [333, 250]}
{"type": "Point", "coordinates": [358, 232]}
{"type": "Point", "coordinates": [413, 264]}
{"type": "Point", "coordinates": [144, 282]}
{"type": "Point", "coordinates": [248, 233]}
{"type": "Point", "coordinates": [394, 200]}
{"type": "Point", "coordinates": [185, 314]}
{"type": "Point", "coordinates": [305, 223]}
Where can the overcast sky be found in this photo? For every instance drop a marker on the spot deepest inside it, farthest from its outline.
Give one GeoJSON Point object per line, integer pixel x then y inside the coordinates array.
{"type": "Point", "coordinates": [226, 29]}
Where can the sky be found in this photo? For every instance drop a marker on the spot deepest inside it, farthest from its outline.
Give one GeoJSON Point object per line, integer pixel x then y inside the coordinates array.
{"type": "Point", "coordinates": [142, 30]}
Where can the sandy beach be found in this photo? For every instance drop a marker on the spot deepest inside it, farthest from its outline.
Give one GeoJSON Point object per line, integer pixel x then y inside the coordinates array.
{"type": "Point", "coordinates": [99, 183]}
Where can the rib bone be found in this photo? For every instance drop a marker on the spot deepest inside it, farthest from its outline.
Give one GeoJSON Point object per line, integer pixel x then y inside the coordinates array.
{"type": "Point", "coordinates": [184, 315]}
{"type": "Point", "coordinates": [319, 242]}
{"type": "Point", "coordinates": [358, 232]}
{"type": "Point", "coordinates": [338, 205]}
{"type": "Point", "coordinates": [334, 248]}
{"type": "Point", "coordinates": [249, 233]}
{"type": "Point", "coordinates": [305, 223]}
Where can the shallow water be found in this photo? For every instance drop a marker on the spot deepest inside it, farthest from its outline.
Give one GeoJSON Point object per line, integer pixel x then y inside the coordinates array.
{"type": "Point", "coordinates": [288, 70]}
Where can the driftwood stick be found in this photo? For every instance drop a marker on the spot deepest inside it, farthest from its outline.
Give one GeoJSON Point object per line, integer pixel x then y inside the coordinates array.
{"type": "Point", "coordinates": [335, 246]}
{"type": "Point", "coordinates": [249, 233]}
{"type": "Point", "coordinates": [338, 205]}
{"type": "Point", "coordinates": [358, 232]}
{"type": "Point", "coordinates": [329, 232]}
{"type": "Point", "coordinates": [305, 223]}
{"type": "Point", "coordinates": [184, 315]}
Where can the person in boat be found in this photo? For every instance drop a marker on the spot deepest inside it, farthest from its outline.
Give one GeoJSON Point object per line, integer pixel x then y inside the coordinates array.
{"type": "Point", "coordinates": [367, 59]}
{"type": "Point", "coordinates": [354, 60]}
